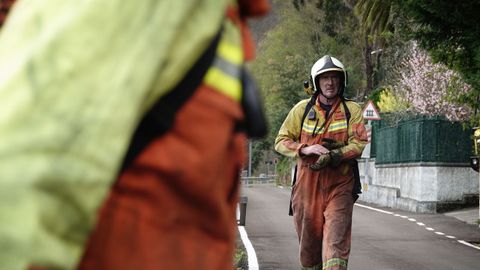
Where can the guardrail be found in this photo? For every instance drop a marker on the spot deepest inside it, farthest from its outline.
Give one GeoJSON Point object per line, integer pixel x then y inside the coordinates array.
{"type": "Point", "coordinates": [257, 180]}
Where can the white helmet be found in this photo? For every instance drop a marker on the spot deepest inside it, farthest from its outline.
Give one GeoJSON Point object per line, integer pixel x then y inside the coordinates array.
{"type": "Point", "coordinates": [326, 64]}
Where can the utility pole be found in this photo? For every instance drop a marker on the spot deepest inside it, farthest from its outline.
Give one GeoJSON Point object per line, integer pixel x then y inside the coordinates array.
{"type": "Point", "coordinates": [268, 167]}
{"type": "Point", "coordinates": [275, 161]}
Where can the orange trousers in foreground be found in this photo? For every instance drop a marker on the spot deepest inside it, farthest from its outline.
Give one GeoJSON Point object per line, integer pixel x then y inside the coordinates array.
{"type": "Point", "coordinates": [174, 206]}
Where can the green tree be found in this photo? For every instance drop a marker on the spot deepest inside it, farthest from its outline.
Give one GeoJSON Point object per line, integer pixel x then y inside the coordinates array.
{"type": "Point", "coordinates": [334, 31]}
{"type": "Point", "coordinates": [450, 31]}
{"type": "Point", "coordinates": [375, 19]}
{"type": "Point", "coordinates": [374, 15]}
{"type": "Point", "coordinates": [283, 62]}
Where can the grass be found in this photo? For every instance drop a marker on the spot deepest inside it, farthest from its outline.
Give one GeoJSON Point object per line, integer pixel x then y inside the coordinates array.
{"type": "Point", "coordinates": [240, 259]}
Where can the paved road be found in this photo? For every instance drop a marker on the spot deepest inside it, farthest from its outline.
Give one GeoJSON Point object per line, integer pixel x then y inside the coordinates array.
{"type": "Point", "coordinates": [386, 240]}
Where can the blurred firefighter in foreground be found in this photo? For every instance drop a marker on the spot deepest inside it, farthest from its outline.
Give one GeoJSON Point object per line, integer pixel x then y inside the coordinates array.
{"type": "Point", "coordinates": [326, 134]}
{"type": "Point", "coordinates": [122, 131]}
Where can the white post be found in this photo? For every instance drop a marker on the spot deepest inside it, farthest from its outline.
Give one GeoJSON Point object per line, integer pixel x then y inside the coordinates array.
{"type": "Point", "coordinates": [366, 155]}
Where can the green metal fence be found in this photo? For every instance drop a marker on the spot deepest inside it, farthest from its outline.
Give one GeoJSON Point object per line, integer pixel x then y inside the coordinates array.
{"type": "Point", "coordinates": [420, 139]}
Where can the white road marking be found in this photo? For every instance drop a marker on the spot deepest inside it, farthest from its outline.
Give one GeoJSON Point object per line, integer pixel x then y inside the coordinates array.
{"type": "Point", "coordinates": [468, 244]}
{"type": "Point", "coordinates": [374, 209]}
{"type": "Point", "coordinates": [419, 224]}
{"type": "Point", "coordinates": [252, 256]}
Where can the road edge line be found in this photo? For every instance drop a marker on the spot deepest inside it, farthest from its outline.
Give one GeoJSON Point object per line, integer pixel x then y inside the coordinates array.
{"type": "Point", "coordinates": [252, 256]}
{"type": "Point", "coordinates": [374, 209]}
{"type": "Point", "coordinates": [420, 224]}
{"type": "Point", "coordinates": [468, 244]}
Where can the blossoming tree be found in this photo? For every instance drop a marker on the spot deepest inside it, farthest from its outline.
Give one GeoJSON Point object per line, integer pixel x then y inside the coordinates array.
{"type": "Point", "coordinates": [432, 88]}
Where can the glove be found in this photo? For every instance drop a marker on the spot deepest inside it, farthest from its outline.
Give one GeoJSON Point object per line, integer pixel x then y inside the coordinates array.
{"type": "Point", "coordinates": [331, 144]}
{"type": "Point", "coordinates": [321, 162]}
{"type": "Point", "coordinates": [335, 157]}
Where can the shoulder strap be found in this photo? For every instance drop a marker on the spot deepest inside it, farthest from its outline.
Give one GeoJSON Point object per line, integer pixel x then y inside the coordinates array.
{"type": "Point", "coordinates": [357, 186]}
{"type": "Point", "coordinates": [161, 116]}
{"type": "Point", "coordinates": [310, 104]}
{"type": "Point", "coordinates": [347, 111]}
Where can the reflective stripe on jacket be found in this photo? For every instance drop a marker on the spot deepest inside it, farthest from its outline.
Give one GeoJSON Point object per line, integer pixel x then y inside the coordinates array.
{"type": "Point", "coordinates": [224, 74]}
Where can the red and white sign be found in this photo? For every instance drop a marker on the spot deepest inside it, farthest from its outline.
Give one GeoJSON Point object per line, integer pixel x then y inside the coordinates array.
{"type": "Point", "coordinates": [370, 112]}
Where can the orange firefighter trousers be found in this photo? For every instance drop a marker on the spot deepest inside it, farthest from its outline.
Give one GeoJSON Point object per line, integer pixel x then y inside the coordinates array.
{"type": "Point", "coordinates": [323, 204]}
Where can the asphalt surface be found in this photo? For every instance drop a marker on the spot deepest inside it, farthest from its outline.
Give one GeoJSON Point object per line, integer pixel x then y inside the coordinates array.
{"type": "Point", "coordinates": [383, 240]}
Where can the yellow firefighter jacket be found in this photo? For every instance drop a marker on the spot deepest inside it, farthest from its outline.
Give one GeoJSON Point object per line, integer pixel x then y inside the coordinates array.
{"type": "Point", "coordinates": [289, 141]}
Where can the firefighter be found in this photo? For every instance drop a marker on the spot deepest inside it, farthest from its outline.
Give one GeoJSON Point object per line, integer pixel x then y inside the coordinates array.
{"type": "Point", "coordinates": [122, 133]}
{"type": "Point", "coordinates": [324, 137]}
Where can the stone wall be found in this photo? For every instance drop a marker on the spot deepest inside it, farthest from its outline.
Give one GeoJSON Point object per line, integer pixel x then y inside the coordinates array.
{"type": "Point", "coordinates": [419, 187]}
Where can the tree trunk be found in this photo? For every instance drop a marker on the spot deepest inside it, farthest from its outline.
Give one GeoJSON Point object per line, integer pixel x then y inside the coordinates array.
{"type": "Point", "coordinates": [368, 68]}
